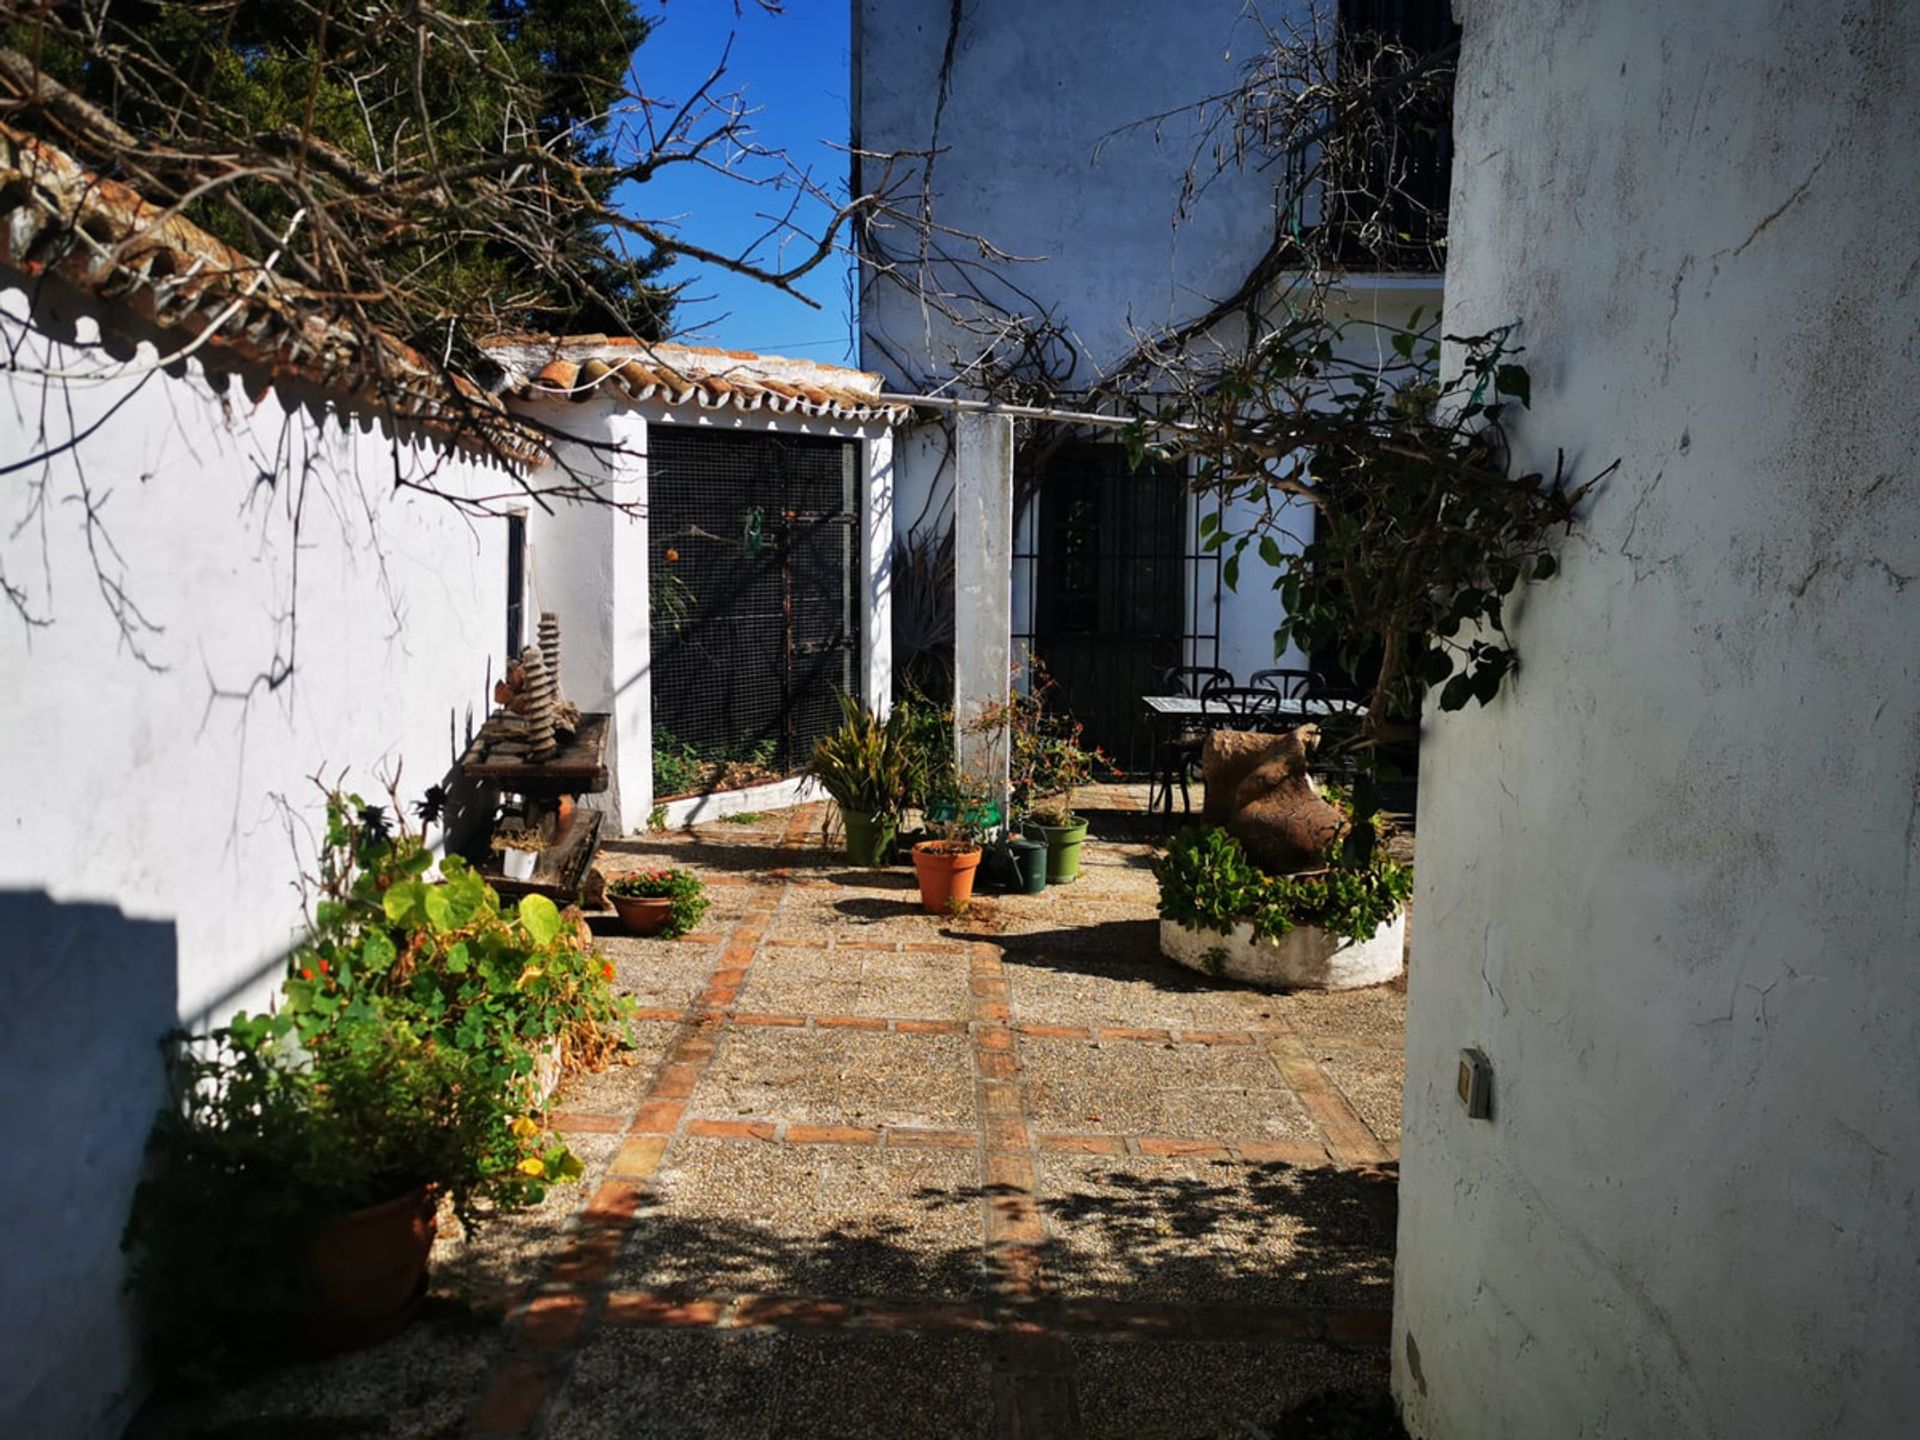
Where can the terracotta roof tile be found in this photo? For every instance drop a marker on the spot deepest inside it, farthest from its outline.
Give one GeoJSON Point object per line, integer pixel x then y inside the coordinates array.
{"type": "Point", "coordinates": [579, 366]}
{"type": "Point", "coordinates": [101, 237]}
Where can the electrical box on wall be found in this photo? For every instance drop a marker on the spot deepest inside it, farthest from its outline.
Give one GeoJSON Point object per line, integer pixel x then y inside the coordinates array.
{"type": "Point", "coordinates": [1476, 1084]}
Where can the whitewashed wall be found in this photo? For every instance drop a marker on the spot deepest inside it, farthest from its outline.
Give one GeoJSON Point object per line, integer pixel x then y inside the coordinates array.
{"type": "Point", "coordinates": [1036, 90]}
{"type": "Point", "coordinates": [146, 868]}
{"type": "Point", "coordinates": [1670, 883]}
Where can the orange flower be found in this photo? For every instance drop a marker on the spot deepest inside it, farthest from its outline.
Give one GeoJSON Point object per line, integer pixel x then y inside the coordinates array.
{"type": "Point", "coordinates": [606, 971]}
{"type": "Point", "coordinates": [305, 973]}
{"type": "Point", "coordinates": [323, 967]}
{"type": "Point", "coordinates": [673, 556]}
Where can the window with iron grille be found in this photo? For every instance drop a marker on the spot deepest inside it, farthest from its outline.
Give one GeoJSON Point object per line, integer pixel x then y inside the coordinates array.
{"type": "Point", "coordinates": [754, 548]}
{"type": "Point", "coordinates": [1386, 199]}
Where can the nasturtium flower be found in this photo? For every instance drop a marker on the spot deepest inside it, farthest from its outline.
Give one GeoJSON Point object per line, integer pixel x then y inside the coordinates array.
{"type": "Point", "coordinates": [533, 1165]}
{"type": "Point", "coordinates": [525, 1128]}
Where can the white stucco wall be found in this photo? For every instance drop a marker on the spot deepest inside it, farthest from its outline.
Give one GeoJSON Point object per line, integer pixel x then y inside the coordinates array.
{"type": "Point", "coordinates": [146, 861]}
{"type": "Point", "coordinates": [1670, 882]}
{"type": "Point", "coordinates": [1034, 90]}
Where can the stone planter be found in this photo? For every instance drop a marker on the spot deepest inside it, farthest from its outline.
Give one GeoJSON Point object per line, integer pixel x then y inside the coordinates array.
{"type": "Point", "coordinates": [1305, 958]}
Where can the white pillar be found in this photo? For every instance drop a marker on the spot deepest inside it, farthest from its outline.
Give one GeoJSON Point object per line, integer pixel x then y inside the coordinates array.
{"type": "Point", "coordinates": [630, 608]}
{"type": "Point", "coordinates": [876, 568]}
{"type": "Point", "coordinates": [983, 591]}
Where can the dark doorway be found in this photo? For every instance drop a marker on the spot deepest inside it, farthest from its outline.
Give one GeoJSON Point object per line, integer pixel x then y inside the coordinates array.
{"type": "Point", "coordinates": [1110, 572]}
{"type": "Point", "coordinates": [754, 550]}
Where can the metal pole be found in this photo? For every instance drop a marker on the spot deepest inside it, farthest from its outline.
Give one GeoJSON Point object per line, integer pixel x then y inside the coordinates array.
{"type": "Point", "coordinates": [1019, 412]}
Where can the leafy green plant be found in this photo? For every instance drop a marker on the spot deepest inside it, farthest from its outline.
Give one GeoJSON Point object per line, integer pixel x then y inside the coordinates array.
{"type": "Point", "coordinates": [681, 767]}
{"type": "Point", "coordinates": [683, 887]}
{"type": "Point", "coordinates": [863, 765]}
{"type": "Point", "coordinates": [657, 817]}
{"type": "Point", "coordinates": [677, 766]}
{"type": "Point", "coordinates": [960, 816]}
{"type": "Point", "coordinates": [263, 1141]}
{"type": "Point", "coordinates": [926, 742]}
{"type": "Point", "coordinates": [445, 958]}
{"type": "Point", "coordinates": [1207, 882]}
{"type": "Point", "coordinates": [1421, 533]}
{"type": "Point", "coordinates": [743, 817]}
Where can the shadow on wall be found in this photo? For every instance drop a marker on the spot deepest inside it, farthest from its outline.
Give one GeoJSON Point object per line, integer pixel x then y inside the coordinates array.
{"type": "Point", "coordinates": [86, 994]}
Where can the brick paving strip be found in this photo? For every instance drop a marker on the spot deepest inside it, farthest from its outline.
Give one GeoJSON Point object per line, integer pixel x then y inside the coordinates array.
{"type": "Point", "coordinates": [546, 1333]}
{"type": "Point", "coordinates": [1027, 1322]}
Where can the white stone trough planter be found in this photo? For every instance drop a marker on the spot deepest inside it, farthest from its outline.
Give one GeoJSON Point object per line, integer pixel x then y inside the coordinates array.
{"type": "Point", "coordinates": [1305, 958]}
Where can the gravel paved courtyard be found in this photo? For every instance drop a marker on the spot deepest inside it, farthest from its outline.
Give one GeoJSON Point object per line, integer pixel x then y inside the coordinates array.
{"type": "Point", "coordinates": [876, 1173]}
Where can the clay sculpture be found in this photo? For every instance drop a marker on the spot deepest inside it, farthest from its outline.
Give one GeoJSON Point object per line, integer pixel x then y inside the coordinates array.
{"type": "Point", "coordinates": [1258, 788]}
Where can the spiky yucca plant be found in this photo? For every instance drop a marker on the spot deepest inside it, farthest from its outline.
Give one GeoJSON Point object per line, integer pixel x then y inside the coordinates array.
{"type": "Point", "coordinates": [863, 764]}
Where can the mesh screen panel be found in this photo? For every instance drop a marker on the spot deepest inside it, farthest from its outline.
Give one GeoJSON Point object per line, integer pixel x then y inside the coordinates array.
{"type": "Point", "coordinates": [754, 549]}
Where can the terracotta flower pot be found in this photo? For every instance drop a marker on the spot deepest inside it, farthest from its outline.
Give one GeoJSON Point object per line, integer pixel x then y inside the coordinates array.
{"type": "Point", "coordinates": [945, 869]}
{"type": "Point", "coordinates": [643, 914]}
{"type": "Point", "coordinates": [368, 1270]}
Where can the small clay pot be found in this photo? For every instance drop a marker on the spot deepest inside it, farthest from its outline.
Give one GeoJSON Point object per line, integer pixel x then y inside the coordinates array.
{"type": "Point", "coordinates": [643, 914]}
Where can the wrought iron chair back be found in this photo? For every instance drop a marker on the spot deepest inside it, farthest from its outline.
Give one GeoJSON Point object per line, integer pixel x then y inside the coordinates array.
{"type": "Point", "coordinates": [1291, 684]}
{"type": "Point", "coordinates": [1193, 679]}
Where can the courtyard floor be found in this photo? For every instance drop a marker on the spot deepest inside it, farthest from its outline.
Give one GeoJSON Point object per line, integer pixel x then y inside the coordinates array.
{"type": "Point", "coordinates": [873, 1172]}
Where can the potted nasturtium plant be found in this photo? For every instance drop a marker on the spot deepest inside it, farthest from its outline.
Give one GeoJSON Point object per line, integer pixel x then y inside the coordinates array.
{"type": "Point", "coordinates": [296, 1174]}
{"type": "Point", "coordinates": [863, 768]}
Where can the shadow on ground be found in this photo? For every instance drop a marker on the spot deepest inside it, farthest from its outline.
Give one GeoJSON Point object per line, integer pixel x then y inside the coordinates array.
{"type": "Point", "coordinates": [1120, 1240]}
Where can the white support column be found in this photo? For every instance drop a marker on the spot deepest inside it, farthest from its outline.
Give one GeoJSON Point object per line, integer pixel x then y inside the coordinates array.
{"type": "Point", "coordinates": [876, 567]}
{"type": "Point", "coordinates": [983, 591]}
{"type": "Point", "coordinates": [630, 606]}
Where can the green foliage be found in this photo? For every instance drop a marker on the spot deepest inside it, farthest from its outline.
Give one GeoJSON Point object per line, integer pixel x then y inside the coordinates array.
{"type": "Point", "coordinates": [399, 91]}
{"type": "Point", "coordinates": [443, 960]}
{"type": "Point", "coordinates": [1046, 760]}
{"type": "Point", "coordinates": [683, 887]}
{"type": "Point", "coordinates": [677, 766]}
{"type": "Point", "coordinates": [1420, 536]}
{"type": "Point", "coordinates": [962, 816]}
{"type": "Point", "coordinates": [402, 1054]}
{"type": "Point", "coordinates": [657, 818]}
{"type": "Point", "coordinates": [681, 767]}
{"type": "Point", "coordinates": [1208, 883]}
{"type": "Point", "coordinates": [260, 1145]}
{"type": "Point", "coordinates": [927, 744]}
{"type": "Point", "coordinates": [864, 764]}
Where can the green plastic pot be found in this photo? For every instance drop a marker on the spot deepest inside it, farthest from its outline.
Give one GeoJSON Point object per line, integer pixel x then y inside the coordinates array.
{"type": "Point", "coordinates": [869, 838]}
{"type": "Point", "coordinates": [1063, 848]}
{"type": "Point", "coordinates": [1030, 865]}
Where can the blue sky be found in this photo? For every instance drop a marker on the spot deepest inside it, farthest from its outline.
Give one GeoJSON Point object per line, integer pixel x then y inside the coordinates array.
{"type": "Point", "coordinates": [794, 68]}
